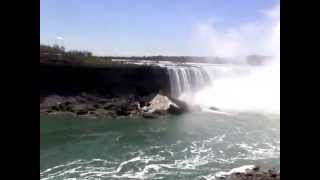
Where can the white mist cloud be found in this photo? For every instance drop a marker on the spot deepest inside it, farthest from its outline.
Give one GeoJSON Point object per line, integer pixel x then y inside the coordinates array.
{"type": "Point", "coordinates": [249, 38]}
{"type": "Point", "coordinates": [59, 38]}
{"type": "Point", "coordinates": [259, 90]}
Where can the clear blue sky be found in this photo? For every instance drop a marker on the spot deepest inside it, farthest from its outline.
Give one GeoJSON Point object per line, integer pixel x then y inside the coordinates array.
{"type": "Point", "coordinates": [137, 27]}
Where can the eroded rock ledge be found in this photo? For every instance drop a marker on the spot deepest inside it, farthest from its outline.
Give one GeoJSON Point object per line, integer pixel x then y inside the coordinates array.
{"type": "Point", "coordinates": [254, 173]}
{"type": "Point", "coordinates": [114, 90]}
{"type": "Point", "coordinates": [93, 106]}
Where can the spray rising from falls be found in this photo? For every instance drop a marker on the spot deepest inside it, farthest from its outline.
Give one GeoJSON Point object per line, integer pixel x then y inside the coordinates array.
{"type": "Point", "coordinates": [229, 88]}
{"type": "Point", "coordinates": [258, 89]}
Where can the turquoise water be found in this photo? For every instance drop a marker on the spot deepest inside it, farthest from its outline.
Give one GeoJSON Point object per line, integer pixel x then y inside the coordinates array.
{"type": "Point", "coordinates": [190, 146]}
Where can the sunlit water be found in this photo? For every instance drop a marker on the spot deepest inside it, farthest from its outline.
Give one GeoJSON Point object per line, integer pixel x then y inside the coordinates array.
{"type": "Point", "coordinates": [190, 146]}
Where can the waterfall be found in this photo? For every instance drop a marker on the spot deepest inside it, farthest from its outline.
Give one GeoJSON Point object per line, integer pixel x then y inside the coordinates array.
{"type": "Point", "coordinates": [187, 80]}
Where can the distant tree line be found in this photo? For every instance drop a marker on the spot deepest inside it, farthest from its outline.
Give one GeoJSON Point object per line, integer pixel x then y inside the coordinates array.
{"type": "Point", "coordinates": [60, 50]}
{"type": "Point", "coordinates": [56, 52]}
{"type": "Point", "coordinates": [55, 49]}
{"type": "Point", "coordinates": [177, 59]}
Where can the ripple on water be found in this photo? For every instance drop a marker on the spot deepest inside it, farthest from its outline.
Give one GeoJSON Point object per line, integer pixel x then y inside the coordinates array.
{"type": "Point", "coordinates": [201, 159]}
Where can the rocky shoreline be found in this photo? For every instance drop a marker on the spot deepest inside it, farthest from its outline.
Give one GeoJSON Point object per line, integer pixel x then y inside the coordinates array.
{"type": "Point", "coordinates": [254, 173]}
{"type": "Point", "coordinates": [106, 106]}
{"type": "Point", "coordinates": [109, 91]}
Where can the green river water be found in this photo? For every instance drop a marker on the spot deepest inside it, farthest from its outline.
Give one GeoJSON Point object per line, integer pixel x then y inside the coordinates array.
{"type": "Point", "coordinates": [189, 146]}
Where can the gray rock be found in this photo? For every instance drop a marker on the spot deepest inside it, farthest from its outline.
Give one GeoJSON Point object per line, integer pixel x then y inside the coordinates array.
{"type": "Point", "coordinates": [102, 112]}
{"type": "Point", "coordinates": [65, 106]}
{"type": "Point", "coordinates": [173, 109]}
{"type": "Point", "coordinates": [97, 106]}
{"type": "Point", "coordinates": [122, 112]}
{"type": "Point", "coordinates": [145, 109]}
{"type": "Point", "coordinates": [78, 107]}
{"type": "Point", "coordinates": [214, 108]}
{"type": "Point", "coordinates": [149, 115]}
{"type": "Point", "coordinates": [255, 174]}
{"type": "Point", "coordinates": [181, 104]}
{"type": "Point", "coordinates": [82, 112]}
{"type": "Point", "coordinates": [108, 106]}
{"type": "Point", "coordinates": [161, 105]}
{"type": "Point", "coordinates": [160, 112]}
{"type": "Point", "coordinates": [160, 102]}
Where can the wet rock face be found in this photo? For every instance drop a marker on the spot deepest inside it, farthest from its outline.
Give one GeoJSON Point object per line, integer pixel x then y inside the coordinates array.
{"type": "Point", "coordinates": [255, 173]}
{"type": "Point", "coordinates": [96, 106]}
{"type": "Point", "coordinates": [254, 176]}
{"type": "Point", "coordinates": [114, 80]}
{"type": "Point", "coordinates": [89, 105]}
{"type": "Point", "coordinates": [110, 91]}
{"type": "Point", "coordinates": [174, 109]}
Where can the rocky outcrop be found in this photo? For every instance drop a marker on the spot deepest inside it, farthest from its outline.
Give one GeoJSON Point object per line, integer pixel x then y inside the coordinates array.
{"type": "Point", "coordinates": [255, 173]}
{"type": "Point", "coordinates": [109, 91]}
{"type": "Point", "coordinates": [151, 106]}
{"type": "Point", "coordinates": [161, 104]}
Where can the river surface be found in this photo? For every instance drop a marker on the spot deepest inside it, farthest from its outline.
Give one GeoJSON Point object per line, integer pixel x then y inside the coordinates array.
{"type": "Point", "coordinates": [190, 146]}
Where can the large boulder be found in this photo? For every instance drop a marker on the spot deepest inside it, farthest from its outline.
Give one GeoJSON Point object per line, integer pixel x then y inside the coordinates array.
{"type": "Point", "coordinates": [160, 104]}
{"type": "Point", "coordinates": [65, 106]}
{"type": "Point", "coordinates": [82, 112]}
{"type": "Point", "coordinates": [133, 106]}
{"type": "Point", "coordinates": [174, 109]}
{"type": "Point", "coordinates": [181, 104]}
{"type": "Point", "coordinates": [108, 106]}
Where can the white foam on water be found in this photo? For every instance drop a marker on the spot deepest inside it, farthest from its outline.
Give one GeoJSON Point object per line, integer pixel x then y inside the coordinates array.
{"type": "Point", "coordinates": [255, 151]}
{"type": "Point", "coordinates": [220, 151]}
{"type": "Point", "coordinates": [189, 157]}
